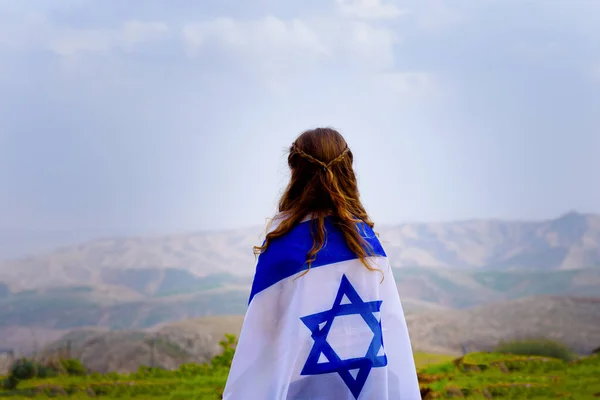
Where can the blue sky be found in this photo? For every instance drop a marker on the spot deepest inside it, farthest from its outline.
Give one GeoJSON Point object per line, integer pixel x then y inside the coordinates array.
{"type": "Point", "coordinates": [174, 115]}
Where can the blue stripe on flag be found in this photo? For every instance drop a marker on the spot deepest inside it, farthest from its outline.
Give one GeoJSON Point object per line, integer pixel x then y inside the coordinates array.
{"type": "Point", "coordinates": [286, 256]}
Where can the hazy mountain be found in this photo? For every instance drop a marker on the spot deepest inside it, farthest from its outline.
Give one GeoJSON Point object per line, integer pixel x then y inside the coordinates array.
{"type": "Point", "coordinates": [462, 288]}
{"type": "Point", "coordinates": [138, 282]}
{"type": "Point", "coordinates": [16, 243]}
{"type": "Point", "coordinates": [569, 242]}
{"type": "Point", "coordinates": [568, 319]}
{"type": "Point", "coordinates": [571, 320]}
{"type": "Point", "coordinates": [36, 316]}
{"type": "Point", "coordinates": [95, 262]}
{"type": "Point", "coordinates": [195, 340]}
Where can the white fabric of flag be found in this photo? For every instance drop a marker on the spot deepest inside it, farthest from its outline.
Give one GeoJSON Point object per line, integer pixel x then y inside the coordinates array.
{"type": "Point", "coordinates": [337, 332]}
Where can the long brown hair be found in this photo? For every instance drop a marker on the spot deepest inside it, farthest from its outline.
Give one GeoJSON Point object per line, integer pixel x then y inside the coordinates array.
{"type": "Point", "coordinates": [322, 183]}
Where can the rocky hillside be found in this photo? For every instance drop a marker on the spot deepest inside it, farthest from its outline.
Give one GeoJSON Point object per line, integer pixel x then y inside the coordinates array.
{"type": "Point", "coordinates": [139, 282]}
{"type": "Point", "coordinates": [572, 320]}
{"type": "Point", "coordinates": [462, 288]}
{"type": "Point", "coordinates": [568, 319]}
{"type": "Point", "coordinates": [167, 345]}
{"type": "Point", "coordinates": [32, 318]}
{"type": "Point", "coordinates": [113, 260]}
{"type": "Point", "coordinates": [568, 242]}
{"type": "Point", "coordinates": [571, 241]}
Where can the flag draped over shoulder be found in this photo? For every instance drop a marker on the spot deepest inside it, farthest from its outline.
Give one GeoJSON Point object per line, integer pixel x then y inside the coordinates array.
{"type": "Point", "coordinates": [337, 332]}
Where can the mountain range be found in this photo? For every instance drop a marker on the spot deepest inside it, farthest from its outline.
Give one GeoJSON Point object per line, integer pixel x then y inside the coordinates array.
{"type": "Point", "coordinates": [31, 318]}
{"type": "Point", "coordinates": [571, 320]}
{"type": "Point", "coordinates": [140, 282]}
{"type": "Point", "coordinates": [571, 241]}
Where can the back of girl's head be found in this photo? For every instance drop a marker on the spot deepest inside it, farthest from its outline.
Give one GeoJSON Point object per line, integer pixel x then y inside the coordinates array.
{"type": "Point", "coordinates": [323, 183]}
{"type": "Point", "coordinates": [322, 178]}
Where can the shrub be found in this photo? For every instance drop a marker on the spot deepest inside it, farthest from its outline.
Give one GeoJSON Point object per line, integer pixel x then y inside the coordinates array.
{"type": "Point", "coordinates": [73, 367]}
{"type": "Point", "coordinates": [224, 359]}
{"type": "Point", "coordinates": [193, 369]}
{"type": "Point", "coordinates": [10, 383]}
{"type": "Point", "coordinates": [46, 371]}
{"type": "Point", "coordinates": [23, 368]}
{"type": "Point", "coordinates": [435, 369]}
{"type": "Point", "coordinates": [537, 347]}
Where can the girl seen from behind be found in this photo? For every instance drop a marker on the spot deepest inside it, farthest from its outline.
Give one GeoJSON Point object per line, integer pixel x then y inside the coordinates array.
{"type": "Point", "coordinates": [324, 319]}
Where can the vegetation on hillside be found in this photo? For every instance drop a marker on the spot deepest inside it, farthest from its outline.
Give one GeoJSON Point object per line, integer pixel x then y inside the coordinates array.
{"type": "Point", "coordinates": [465, 288]}
{"type": "Point", "coordinates": [539, 347]}
{"type": "Point", "coordinates": [125, 299]}
{"type": "Point", "coordinates": [474, 376]}
{"type": "Point", "coordinates": [496, 375]}
{"type": "Point", "coordinates": [69, 309]}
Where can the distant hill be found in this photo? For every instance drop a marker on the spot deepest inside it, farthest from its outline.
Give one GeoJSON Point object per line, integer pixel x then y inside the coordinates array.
{"type": "Point", "coordinates": [571, 241]}
{"type": "Point", "coordinates": [133, 306]}
{"type": "Point", "coordinates": [568, 319]}
{"type": "Point", "coordinates": [461, 288]}
{"type": "Point", "coordinates": [41, 315]}
{"type": "Point", "coordinates": [139, 282]}
{"type": "Point", "coordinates": [572, 320]}
{"type": "Point", "coordinates": [108, 260]}
{"type": "Point", "coordinates": [167, 346]}
{"type": "Point", "coordinates": [32, 316]}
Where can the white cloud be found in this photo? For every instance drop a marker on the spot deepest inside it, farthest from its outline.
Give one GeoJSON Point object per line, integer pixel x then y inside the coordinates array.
{"type": "Point", "coordinates": [274, 48]}
{"type": "Point", "coordinates": [437, 16]}
{"type": "Point", "coordinates": [263, 37]}
{"type": "Point", "coordinates": [68, 42]}
{"type": "Point", "coordinates": [285, 52]}
{"type": "Point", "coordinates": [372, 45]}
{"type": "Point", "coordinates": [274, 44]}
{"type": "Point", "coordinates": [369, 9]}
{"type": "Point", "coordinates": [36, 31]}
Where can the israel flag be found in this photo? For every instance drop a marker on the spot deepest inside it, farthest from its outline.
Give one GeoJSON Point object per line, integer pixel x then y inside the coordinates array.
{"type": "Point", "coordinates": [337, 332]}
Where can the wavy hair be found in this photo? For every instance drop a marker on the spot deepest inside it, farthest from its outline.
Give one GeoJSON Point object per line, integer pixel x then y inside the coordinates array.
{"type": "Point", "coordinates": [322, 184]}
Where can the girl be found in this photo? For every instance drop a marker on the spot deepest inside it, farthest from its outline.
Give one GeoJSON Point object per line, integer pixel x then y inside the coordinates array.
{"type": "Point", "coordinates": [324, 320]}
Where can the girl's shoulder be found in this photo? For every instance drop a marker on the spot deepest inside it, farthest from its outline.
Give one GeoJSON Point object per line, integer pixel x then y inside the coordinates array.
{"type": "Point", "coordinates": [286, 255]}
{"type": "Point", "coordinates": [300, 239]}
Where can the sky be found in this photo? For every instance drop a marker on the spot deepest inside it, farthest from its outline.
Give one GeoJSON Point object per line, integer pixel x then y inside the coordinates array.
{"type": "Point", "coordinates": [174, 115]}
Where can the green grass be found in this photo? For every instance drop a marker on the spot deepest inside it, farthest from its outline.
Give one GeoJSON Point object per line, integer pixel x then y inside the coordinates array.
{"type": "Point", "coordinates": [425, 359]}
{"type": "Point", "coordinates": [474, 376]}
{"type": "Point", "coordinates": [506, 376]}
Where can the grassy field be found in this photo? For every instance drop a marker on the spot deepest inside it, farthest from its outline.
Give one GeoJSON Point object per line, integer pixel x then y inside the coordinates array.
{"type": "Point", "coordinates": [474, 376]}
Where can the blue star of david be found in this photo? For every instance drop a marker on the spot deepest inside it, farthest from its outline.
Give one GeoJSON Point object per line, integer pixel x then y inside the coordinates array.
{"type": "Point", "coordinates": [320, 325]}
